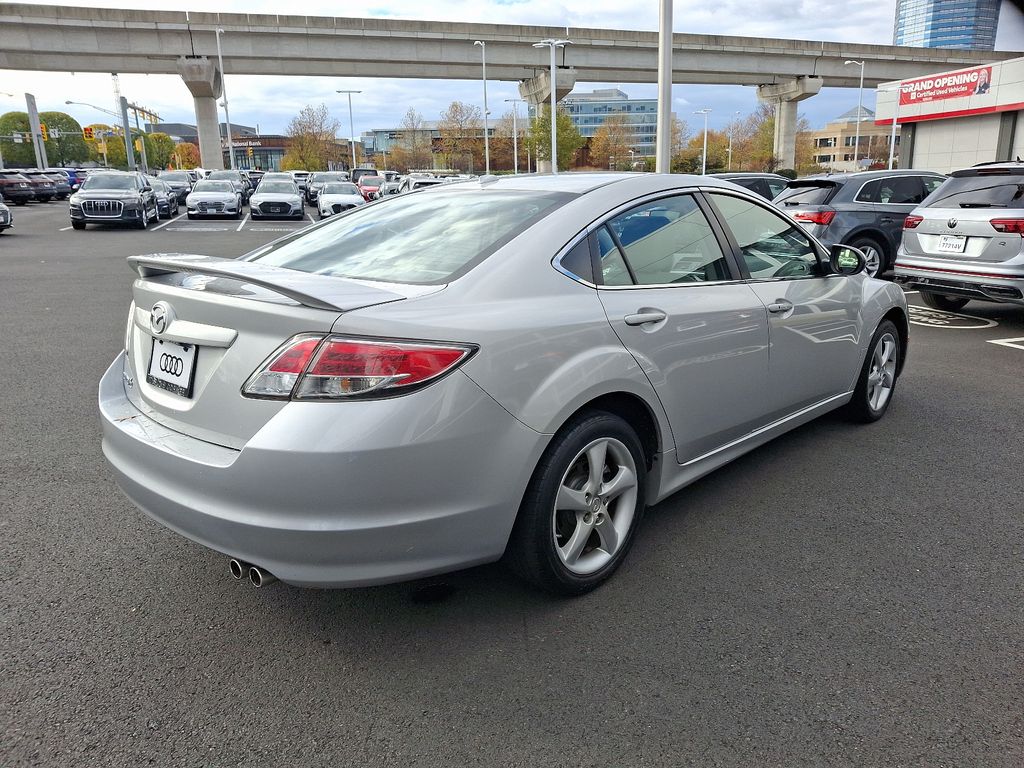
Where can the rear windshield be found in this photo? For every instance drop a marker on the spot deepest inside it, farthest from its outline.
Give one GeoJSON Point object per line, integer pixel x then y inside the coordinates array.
{"type": "Point", "coordinates": [419, 239]}
{"type": "Point", "coordinates": [807, 194]}
{"type": "Point", "coordinates": [109, 181]}
{"type": "Point", "coordinates": [988, 191]}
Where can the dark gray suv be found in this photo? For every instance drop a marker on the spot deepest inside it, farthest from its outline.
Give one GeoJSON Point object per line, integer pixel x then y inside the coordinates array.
{"type": "Point", "coordinates": [865, 210]}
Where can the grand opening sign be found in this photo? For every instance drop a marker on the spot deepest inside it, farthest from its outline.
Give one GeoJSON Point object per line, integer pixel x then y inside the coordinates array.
{"type": "Point", "coordinates": [955, 85]}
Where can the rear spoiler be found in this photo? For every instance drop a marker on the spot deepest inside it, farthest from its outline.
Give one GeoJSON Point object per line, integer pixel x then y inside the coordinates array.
{"type": "Point", "coordinates": [311, 290]}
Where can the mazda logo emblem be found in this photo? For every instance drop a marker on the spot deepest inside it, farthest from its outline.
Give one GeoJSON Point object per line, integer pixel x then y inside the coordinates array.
{"type": "Point", "coordinates": [160, 317]}
{"type": "Point", "coordinates": [171, 364]}
{"type": "Point", "coordinates": [952, 223]}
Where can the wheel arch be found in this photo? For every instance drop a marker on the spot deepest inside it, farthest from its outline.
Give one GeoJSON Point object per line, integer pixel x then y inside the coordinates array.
{"type": "Point", "coordinates": [632, 409]}
{"type": "Point", "coordinates": [902, 323]}
{"type": "Point", "coordinates": [871, 233]}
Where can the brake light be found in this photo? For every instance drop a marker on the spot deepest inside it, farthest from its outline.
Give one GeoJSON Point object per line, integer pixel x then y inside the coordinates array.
{"type": "Point", "coordinates": [815, 217]}
{"type": "Point", "coordinates": [326, 368]}
{"type": "Point", "coordinates": [911, 222]}
{"type": "Point", "coordinates": [1008, 226]}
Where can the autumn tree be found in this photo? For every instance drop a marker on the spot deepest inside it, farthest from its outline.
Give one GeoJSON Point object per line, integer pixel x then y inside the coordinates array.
{"type": "Point", "coordinates": [413, 150]}
{"type": "Point", "coordinates": [461, 132]}
{"type": "Point", "coordinates": [689, 159]}
{"type": "Point", "coordinates": [612, 143]}
{"type": "Point", "coordinates": [569, 139]}
{"type": "Point", "coordinates": [186, 155]}
{"type": "Point", "coordinates": [312, 145]}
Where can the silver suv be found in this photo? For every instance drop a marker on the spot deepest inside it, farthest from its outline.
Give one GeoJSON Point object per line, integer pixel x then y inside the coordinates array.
{"type": "Point", "coordinates": [966, 240]}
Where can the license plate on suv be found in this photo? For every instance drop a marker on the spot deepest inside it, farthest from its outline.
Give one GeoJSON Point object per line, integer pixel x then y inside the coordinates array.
{"type": "Point", "coordinates": [172, 366]}
{"type": "Point", "coordinates": [952, 243]}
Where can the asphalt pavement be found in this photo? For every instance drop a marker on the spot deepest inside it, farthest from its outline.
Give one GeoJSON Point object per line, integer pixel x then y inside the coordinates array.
{"type": "Point", "coordinates": [844, 596]}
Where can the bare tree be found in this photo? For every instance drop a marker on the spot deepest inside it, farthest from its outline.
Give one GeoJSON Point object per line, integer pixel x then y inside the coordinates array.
{"type": "Point", "coordinates": [461, 132]}
{"type": "Point", "coordinates": [312, 145]}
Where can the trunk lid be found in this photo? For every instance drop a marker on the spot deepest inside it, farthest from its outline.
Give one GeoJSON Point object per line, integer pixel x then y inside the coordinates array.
{"type": "Point", "coordinates": [234, 314]}
{"type": "Point", "coordinates": [970, 229]}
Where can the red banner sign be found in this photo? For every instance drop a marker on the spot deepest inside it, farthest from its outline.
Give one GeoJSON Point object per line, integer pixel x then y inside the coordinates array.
{"type": "Point", "coordinates": [955, 85]}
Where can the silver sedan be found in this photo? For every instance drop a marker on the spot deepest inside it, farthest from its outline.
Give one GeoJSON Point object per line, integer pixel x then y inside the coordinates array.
{"type": "Point", "coordinates": [214, 198]}
{"type": "Point", "coordinates": [514, 366]}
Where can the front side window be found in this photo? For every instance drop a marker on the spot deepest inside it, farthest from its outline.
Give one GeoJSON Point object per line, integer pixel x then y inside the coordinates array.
{"type": "Point", "coordinates": [670, 241]}
{"type": "Point", "coordinates": [772, 246]}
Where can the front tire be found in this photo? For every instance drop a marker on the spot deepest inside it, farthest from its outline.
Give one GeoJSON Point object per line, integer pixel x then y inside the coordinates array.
{"type": "Point", "coordinates": [943, 302]}
{"type": "Point", "coordinates": [582, 508]}
{"type": "Point", "coordinates": [877, 381]}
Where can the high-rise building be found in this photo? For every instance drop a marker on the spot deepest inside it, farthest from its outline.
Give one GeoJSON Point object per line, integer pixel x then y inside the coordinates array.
{"type": "Point", "coordinates": [589, 110]}
{"type": "Point", "coordinates": [947, 23]}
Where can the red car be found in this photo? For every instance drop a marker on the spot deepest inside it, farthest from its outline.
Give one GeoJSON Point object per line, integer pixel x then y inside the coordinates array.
{"type": "Point", "coordinates": [369, 186]}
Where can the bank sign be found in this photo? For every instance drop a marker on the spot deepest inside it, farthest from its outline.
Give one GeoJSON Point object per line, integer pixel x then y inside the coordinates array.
{"type": "Point", "coordinates": [954, 85]}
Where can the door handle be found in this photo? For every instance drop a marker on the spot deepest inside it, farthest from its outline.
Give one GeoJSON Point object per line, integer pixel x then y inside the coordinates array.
{"type": "Point", "coordinates": [643, 318]}
{"type": "Point", "coordinates": [779, 307]}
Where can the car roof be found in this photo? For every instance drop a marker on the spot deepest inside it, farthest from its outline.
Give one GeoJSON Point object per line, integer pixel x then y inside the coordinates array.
{"type": "Point", "coordinates": [747, 175]}
{"type": "Point", "coordinates": [583, 182]}
{"type": "Point", "coordinates": [865, 175]}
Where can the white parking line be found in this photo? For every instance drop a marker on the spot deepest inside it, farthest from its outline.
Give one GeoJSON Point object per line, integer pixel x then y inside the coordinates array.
{"type": "Point", "coordinates": [1015, 343]}
{"type": "Point", "coordinates": [311, 217]}
{"type": "Point", "coordinates": [244, 219]}
{"type": "Point", "coordinates": [64, 229]}
{"type": "Point", "coordinates": [169, 221]}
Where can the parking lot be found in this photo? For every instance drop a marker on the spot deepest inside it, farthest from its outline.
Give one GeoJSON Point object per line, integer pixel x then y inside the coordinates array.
{"type": "Point", "coordinates": [844, 595]}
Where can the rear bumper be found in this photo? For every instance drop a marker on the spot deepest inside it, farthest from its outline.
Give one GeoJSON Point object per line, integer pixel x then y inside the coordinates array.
{"type": "Point", "coordinates": [985, 281]}
{"type": "Point", "coordinates": [17, 195]}
{"type": "Point", "coordinates": [336, 494]}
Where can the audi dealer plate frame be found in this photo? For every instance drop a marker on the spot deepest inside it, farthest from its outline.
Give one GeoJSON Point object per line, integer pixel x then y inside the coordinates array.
{"type": "Point", "coordinates": [172, 366]}
{"type": "Point", "coordinates": [952, 243]}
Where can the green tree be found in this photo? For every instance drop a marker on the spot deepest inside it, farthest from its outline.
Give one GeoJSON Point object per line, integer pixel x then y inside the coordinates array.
{"type": "Point", "coordinates": [569, 139]}
{"type": "Point", "coordinates": [66, 144]}
{"type": "Point", "coordinates": [16, 153]}
{"type": "Point", "coordinates": [159, 149]}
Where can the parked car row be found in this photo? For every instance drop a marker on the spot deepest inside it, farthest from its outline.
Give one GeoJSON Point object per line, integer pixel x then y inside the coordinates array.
{"type": "Point", "coordinates": [27, 185]}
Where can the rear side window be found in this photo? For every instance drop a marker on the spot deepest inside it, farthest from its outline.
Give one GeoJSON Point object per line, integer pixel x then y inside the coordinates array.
{"type": "Point", "coordinates": [776, 187]}
{"type": "Point", "coordinates": [807, 194]}
{"type": "Point", "coordinates": [901, 190]}
{"type": "Point", "coordinates": [418, 239]}
{"type": "Point", "coordinates": [578, 261]}
{"type": "Point", "coordinates": [988, 191]}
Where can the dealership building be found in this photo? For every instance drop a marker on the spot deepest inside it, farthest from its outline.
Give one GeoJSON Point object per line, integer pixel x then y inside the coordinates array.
{"type": "Point", "coordinates": [953, 120]}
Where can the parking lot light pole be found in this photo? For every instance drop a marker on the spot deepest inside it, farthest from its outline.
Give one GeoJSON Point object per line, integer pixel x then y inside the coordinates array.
{"type": "Point", "coordinates": [515, 133]}
{"type": "Point", "coordinates": [351, 128]}
{"type": "Point", "coordinates": [860, 108]}
{"type": "Point", "coordinates": [224, 93]}
{"type": "Point", "coordinates": [553, 44]}
{"type": "Point", "coordinates": [9, 95]}
{"type": "Point", "coordinates": [897, 91]}
{"type": "Point", "coordinates": [487, 141]}
{"type": "Point", "coordinates": [704, 155]}
{"type": "Point", "coordinates": [663, 132]}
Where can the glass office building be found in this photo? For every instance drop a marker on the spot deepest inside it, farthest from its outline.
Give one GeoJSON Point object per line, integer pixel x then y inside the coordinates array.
{"type": "Point", "coordinates": [589, 111]}
{"type": "Point", "coordinates": [947, 23]}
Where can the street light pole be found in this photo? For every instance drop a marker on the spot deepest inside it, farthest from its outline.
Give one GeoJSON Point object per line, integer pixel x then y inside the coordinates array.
{"type": "Point", "coordinates": [732, 130]}
{"type": "Point", "coordinates": [895, 120]}
{"type": "Point", "coordinates": [663, 138]}
{"type": "Point", "coordinates": [860, 107]}
{"type": "Point", "coordinates": [9, 95]}
{"type": "Point", "coordinates": [487, 141]}
{"type": "Point", "coordinates": [553, 44]}
{"type": "Point", "coordinates": [704, 155]}
{"type": "Point", "coordinates": [351, 126]}
{"type": "Point", "coordinates": [515, 134]}
{"type": "Point", "coordinates": [224, 93]}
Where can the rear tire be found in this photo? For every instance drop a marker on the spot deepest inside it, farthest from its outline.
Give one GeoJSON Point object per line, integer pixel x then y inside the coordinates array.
{"type": "Point", "coordinates": [877, 261]}
{"type": "Point", "coordinates": [943, 302]}
{"type": "Point", "coordinates": [582, 508]}
{"type": "Point", "coordinates": [876, 384]}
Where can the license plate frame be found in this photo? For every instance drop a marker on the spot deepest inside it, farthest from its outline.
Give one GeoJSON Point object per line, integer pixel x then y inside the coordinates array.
{"type": "Point", "coordinates": [175, 367]}
{"type": "Point", "coordinates": [952, 243]}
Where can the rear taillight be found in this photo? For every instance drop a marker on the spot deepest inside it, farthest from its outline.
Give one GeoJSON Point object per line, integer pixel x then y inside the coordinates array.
{"type": "Point", "coordinates": [911, 222]}
{"type": "Point", "coordinates": [1008, 226]}
{"type": "Point", "coordinates": [312, 367]}
{"type": "Point", "coordinates": [815, 217]}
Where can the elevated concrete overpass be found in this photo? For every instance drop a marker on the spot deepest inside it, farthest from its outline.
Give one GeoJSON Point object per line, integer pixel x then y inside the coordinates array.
{"type": "Point", "coordinates": [72, 39]}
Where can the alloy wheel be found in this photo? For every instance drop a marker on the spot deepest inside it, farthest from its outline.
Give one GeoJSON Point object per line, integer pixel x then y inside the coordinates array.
{"type": "Point", "coordinates": [873, 260]}
{"type": "Point", "coordinates": [595, 506]}
{"type": "Point", "coordinates": [882, 373]}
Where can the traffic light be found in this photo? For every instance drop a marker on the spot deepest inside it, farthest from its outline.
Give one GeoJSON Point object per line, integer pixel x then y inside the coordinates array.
{"type": "Point", "coordinates": [138, 145]}
{"type": "Point", "coordinates": [87, 134]}
{"type": "Point", "coordinates": [45, 133]}
{"type": "Point", "coordinates": [249, 152]}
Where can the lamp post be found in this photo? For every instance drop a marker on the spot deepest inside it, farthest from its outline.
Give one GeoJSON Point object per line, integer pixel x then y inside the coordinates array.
{"type": "Point", "coordinates": [351, 128]}
{"type": "Point", "coordinates": [663, 138]}
{"type": "Point", "coordinates": [732, 130]}
{"type": "Point", "coordinates": [487, 140]}
{"type": "Point", "coordinates": [10, 95]}
{"type": "Point", "coordinates": [704, 155]}
{"type": "Point", "coordinates": [224, 93]}
{"type": "Point", "coordinates": [632, 161]}
{"type": "Point", "coordinates": [860, 107]}
{"type": "Point", "coordinates": [897, 91]}
{"type": "Point", "coordinates": [553, 44]}
{"type": "Point", "coordinates": [515, 133]}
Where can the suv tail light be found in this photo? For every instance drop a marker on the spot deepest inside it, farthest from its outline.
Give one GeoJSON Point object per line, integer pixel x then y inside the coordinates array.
{"type": "Point", "coordinates": [315, 367]}
{"type": "Point", "coordinates": [911, 222]}
{"type": "Point", "coordinates": [1008, 226]}
{"type": "Point", "coordinates": [815, 217]}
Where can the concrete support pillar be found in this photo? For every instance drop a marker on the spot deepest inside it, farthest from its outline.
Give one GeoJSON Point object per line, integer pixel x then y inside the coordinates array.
{"type": "Point", "coordinates": [784, 97]}
{"type": "Point", "coordinates": [537, 92]}
{"type": "Point", "coordinates": [203, 81]}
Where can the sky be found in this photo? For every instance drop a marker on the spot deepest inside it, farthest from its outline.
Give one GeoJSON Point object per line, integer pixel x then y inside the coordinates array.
{"type": "Point", "coordinates": [270, 102]}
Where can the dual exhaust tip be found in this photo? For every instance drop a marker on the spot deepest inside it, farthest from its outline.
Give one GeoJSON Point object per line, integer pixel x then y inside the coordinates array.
{"type": "Point", "coordinates": [257, 576]}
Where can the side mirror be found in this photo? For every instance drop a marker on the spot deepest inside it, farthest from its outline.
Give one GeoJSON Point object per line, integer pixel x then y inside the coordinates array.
{"type": "Point", "coordinates": [846, 260]}
{"type": "Point", "coordinates": [147, 188]}
{"type": "Point", "coordinates": [75, 187]}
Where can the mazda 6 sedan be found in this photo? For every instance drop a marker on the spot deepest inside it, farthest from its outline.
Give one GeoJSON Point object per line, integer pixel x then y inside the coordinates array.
{"type": "Point", "coordinates": [508, 367]}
